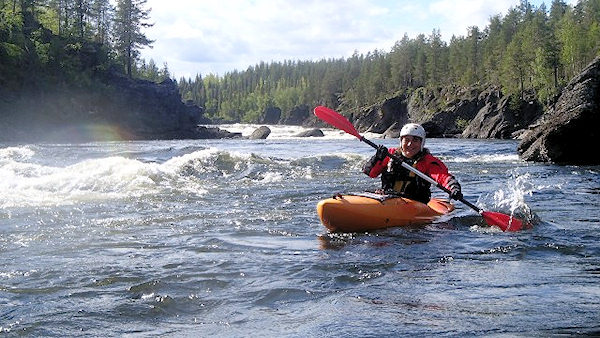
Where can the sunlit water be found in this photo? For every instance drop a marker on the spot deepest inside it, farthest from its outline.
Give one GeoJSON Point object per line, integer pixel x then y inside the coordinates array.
{"type": "Point", "coordinates": [221, 238]}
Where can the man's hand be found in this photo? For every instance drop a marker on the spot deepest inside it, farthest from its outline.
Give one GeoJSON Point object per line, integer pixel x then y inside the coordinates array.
{"type": "Point", "coordinates": [455, 190]}
{"type": "Point", "coordinates": [381, 153]}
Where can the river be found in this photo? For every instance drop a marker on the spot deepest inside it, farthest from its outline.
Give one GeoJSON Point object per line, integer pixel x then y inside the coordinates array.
{"type": "Point", "coordinates": [221, 238]}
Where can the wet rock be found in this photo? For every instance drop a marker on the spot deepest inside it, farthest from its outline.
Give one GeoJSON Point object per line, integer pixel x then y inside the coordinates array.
{"type": "Point", "coordinates": [311, 133]}
{"type": "Point", "coordinates": [260, 133]}
{"type": "Point", "coordinates": [393, 131]}
{"type": "Point", "coordinates": [214, 133]}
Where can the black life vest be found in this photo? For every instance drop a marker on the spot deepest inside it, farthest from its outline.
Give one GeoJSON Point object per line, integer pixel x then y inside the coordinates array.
{"type": "Point", "coordinates": [404, 182]}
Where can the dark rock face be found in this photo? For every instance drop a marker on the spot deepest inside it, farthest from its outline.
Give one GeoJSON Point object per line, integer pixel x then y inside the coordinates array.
{"type": "Point", "coordinates": [447, 122]}
{"type": "Point", "coordinates": [297, 115]}
{"type": "Point", "coordinates": [118, 108]}
{"type": "Point", "coordinates": [497, 119]}
{"type": "Point", "coordinates": [311, 133]}
{"type": "Point", "coordinates": [450, 112]}
{"type": "Point", "coordinates": [260, 133]}
{"type": "Point", "coordinates": [271, 116]}
{"type": "Point", "coordinates": [442, 111]}
{"type": "Point", "coordinates": [152, 111]}
{"type": "Point", "coordinates": [378, 119]}
{"type": "Point", "coordinates": [568, 133]}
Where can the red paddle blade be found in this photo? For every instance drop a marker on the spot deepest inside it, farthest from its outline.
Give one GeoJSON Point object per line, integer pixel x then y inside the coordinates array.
{"type": "Point", "coordinates": [504, 222]}
{"type": "Point", "coordinates": [336, 119]}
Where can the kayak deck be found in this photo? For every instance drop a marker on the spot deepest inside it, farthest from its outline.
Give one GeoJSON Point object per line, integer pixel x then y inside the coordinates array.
{"type": "Point", "coordinates": [365, 211]}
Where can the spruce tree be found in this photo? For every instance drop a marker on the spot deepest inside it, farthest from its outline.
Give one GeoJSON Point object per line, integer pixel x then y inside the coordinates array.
{"type": "Point", "coordinates": [130, 18]}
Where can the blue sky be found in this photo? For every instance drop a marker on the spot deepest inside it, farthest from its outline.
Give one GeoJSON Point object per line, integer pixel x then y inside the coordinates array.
{"type": "Point", "coordinates": [202, 37]}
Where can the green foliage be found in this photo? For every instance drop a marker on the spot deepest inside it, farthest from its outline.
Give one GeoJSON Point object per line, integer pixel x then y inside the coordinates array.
{"type": "Point", "coordinates": [49, 42]}
{"type": "Point", "coordinates": [130, 18]}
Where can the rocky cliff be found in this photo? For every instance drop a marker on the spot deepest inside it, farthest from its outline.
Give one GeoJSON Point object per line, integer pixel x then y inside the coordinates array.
{"type": "Point", "coordinates": [117, 108]}
{"type": "Point", "coordinates": [451, 112]}
{"type": "Point", "coordinates": [568, 132]}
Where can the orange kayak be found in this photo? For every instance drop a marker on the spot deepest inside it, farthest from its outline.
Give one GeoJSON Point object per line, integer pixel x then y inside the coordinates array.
{"type": "Point", "coordinates": [367, 211]}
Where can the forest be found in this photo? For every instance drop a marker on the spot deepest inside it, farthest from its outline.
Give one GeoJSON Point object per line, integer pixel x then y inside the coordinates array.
{"type": "Point", "coordinates": [49, 43]}
{"type": "Point", "coordinates": [526, 51]}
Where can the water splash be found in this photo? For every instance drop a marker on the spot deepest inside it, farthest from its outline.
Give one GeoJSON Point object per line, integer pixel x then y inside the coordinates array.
{"type": "Point", "coordinates": [511, 199]}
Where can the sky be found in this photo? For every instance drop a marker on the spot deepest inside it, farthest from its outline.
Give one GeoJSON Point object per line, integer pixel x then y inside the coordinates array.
{"type": "Point", "coordinates": [215, 37]}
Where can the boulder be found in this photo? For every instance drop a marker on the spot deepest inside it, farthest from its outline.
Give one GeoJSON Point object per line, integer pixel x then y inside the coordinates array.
{"type": "Point", "coordinates": [311, 133]}
{"type": "Point", "coordinates": [567, 133]}
{"type": "Point", "coordinates": [260, 133]}
{"type": "Point", "coordinates": [214, 133]}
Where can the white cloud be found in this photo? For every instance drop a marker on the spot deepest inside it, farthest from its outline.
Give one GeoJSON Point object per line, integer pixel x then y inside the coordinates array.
{"type": "Point", "coordinates": [456, 16]}
{"type": "Point", "coordinates": [220, 36]}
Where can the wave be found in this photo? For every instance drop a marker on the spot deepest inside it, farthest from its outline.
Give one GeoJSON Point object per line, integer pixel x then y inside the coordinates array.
{"type": "Point", "coordinates": [26, 183]}
{"type": "Point", "coordinates": [16, 153]}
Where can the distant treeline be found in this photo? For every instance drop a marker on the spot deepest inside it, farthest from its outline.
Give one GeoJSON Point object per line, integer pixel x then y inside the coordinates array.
{"type": "Point", "coordinates": [528, 50]}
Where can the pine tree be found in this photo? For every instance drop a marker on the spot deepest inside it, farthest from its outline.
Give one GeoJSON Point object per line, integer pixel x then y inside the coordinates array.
{"type": "Point", "coordinates": [102, 17]}
{"type": "Point", "coordinates": [130, 19]}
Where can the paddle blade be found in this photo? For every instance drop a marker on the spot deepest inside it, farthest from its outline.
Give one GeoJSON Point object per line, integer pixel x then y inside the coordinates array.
{"type": "Point", "coordinates": [504, 222]}
{"type": "Point", "coordinates": [336, 120]}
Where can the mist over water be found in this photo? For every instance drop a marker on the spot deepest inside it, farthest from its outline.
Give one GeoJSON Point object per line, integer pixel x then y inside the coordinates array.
{"type": "Point", "coordinates": [221, 237]}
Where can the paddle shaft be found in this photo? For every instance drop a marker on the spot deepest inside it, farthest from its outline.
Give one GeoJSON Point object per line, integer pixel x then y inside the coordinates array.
{"type": "Point", "coordinates": [422, 175]}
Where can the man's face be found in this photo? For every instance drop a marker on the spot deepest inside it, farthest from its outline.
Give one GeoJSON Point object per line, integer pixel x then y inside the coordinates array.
{"type": "Point", "coordinates": [410, 145]}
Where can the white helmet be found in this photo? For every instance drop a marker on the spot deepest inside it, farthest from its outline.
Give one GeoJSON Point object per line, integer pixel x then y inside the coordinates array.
{"type": "Point", "coordinates": [413, 129]}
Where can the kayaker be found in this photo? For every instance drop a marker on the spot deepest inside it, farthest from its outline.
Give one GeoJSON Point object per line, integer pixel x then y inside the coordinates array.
{"type": "Point", "coordinates": [398, 180]}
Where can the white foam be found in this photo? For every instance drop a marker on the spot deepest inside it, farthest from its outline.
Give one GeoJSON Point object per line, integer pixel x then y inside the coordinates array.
{"type": "Point", "coordinates": [502, 158]}
{"type": "Point", "coordinates": [16, 153]}
{"type": "Point", "coordinates": [289, 132]}
{"type": "Point", "coordinates": [28, 184]}
{"type": "Point", "coordinates": [512, 198]}
{"type": "Point", "coordinates": [272, 177]}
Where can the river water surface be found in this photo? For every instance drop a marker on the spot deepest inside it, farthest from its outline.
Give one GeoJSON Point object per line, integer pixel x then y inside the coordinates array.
{"type": "Point", "coordinates": [221, 238]}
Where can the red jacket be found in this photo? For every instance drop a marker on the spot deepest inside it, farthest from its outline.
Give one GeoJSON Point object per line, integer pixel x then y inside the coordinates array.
{"type": "Point", "coordinates": [428, 164]}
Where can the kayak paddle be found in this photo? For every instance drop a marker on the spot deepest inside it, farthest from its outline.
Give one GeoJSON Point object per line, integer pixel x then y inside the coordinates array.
{"type": "Point", "coordinates": [503, 221]}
